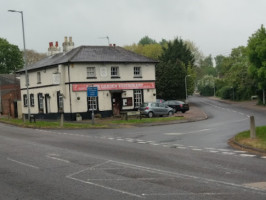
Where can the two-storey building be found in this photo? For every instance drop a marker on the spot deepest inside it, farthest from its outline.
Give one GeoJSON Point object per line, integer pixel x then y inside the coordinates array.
{"type": "Point", "coordinates": [58, 83]}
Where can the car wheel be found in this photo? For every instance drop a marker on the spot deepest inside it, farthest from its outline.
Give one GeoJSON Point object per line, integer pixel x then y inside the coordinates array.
{"type": "Point", "coordinates": [183, 111]}
{"type": "Point", "coordinates": [170, 113]}
{"type": "Point", "coordinates": [150, 114]}
{"type": "Point", "coordinates": [175, 110]}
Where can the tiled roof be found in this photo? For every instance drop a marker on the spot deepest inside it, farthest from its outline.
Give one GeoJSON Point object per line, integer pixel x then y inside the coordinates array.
{"type": "Point", "coordinates": [92, 54]}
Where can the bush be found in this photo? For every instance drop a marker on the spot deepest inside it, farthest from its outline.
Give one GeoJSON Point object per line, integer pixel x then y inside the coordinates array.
{"type": "Point", "coordinates": [225, 92]}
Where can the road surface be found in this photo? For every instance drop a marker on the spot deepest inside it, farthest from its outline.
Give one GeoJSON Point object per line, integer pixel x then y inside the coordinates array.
{"type": "Point", "coordinates": [177, 161]}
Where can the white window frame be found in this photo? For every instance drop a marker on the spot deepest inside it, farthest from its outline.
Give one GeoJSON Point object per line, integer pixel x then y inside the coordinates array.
{"type": "Point", "coordinates": [91, 73]}
{"type": "Point", "coordinates": [32, 100]}
{"type": "Point", "coordinates": [137, 98]}
{"type": "Point", "coordinates": [137, 71]}
{"type": "Point", "coordinates": [92, 103]}
{"type": "Point", "coordinates": [114, 71]}
{"type": "Point", "coordinates": [25, 100]}
{"type": "Point", "coordinates": [39, 77]}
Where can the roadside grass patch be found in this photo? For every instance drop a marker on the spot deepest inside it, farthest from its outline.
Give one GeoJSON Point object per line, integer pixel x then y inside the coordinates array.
{"type": "Point", "coordinates": [259, 142]}
{"type": "Point", "coordinates": [50, 124]}
{"type": "Point", "coordinates": [146, 120]}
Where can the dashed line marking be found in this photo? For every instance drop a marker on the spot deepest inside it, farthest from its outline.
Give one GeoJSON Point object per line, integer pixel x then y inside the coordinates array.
{"type": "Point", "coordinates": [247, 155]}
{"type": "Point", "coordinates": [197, 149]}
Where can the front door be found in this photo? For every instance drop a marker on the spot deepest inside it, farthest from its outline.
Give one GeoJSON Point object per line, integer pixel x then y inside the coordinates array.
{"type": "Point", "coordinates": [116, 103]}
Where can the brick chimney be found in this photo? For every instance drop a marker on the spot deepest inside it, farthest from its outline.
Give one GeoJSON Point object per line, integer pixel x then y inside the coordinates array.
{"type": "Point", "coordinates": [52, 50]}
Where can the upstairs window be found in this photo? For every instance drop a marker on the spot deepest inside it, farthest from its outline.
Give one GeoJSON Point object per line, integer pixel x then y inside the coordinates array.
{"type": "Point", "coordinates": [91, 72]}
{"type": "Point", "coordinates": [137, 72]}
{"type": "Point", "coordinates": [115, 72]}
{"type": "Point", "coordinates": [38, 77]}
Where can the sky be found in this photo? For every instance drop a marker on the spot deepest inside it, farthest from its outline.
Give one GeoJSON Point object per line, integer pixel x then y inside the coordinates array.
{"type": "Point", "coordinates": [214, 26]}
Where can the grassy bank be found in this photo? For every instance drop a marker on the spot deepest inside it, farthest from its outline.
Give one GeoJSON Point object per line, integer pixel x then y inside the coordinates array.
{"type": "Point", "coordinates": [99, 123]}
{"type": "Point", "coordinates": [259, 142]}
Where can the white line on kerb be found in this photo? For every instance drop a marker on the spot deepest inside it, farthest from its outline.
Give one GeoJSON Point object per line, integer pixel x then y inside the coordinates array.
{"type": "Point", "coordinates": [22, 163]}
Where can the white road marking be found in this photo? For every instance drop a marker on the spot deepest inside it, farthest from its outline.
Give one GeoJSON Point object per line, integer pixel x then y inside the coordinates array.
{"type": "Point", "coordinates": [228, 153]}
{"type": "Point", "coordinates": [105, 187]}
{"type": "Point", "coordinates": [98, 185]}
{"type": "Point", "coordinates": [247, 155]}
{"type": "Point", "coordinates": [22, 163]}
{"type": "Point", "coordinates": [181, 147]}
{"type": "Point", "coordinates": [263, 157]}
{"type": "Point", "coordinates": [174, 133]}
{"type": "Point", "coordinates": [197, 149]}
{"type": "Point", "coordinates": [240, 151]}
{"type": "Point", "coordinates": [59, 159]}
{"type": "Point", "coordinates": [212, 151]}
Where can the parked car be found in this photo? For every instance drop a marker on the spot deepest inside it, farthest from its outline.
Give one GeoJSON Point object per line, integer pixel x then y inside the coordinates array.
{"type": "Point", "coordinates": [160, 100]}
{"type": "Point", "coordinates": [151, 109]}
{"type": "Point", "coordinates": [177, 105]}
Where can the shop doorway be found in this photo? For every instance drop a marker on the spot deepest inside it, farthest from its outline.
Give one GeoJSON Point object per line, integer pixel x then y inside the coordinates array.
{"type": "Point", "coordinates": [116, 103]}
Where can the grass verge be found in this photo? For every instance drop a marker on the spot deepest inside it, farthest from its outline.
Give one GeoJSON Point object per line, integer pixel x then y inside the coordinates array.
{"type": "Point", "coordinates": [146, 120]}
{"type": "Point", "coordinates": [98, 123]}
{"type": "Point", "coordinates": [50, 124]}
{"type": "Point", "coordinates": [258, 143]}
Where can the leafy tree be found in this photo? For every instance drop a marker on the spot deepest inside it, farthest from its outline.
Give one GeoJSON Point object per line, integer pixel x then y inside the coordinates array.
{"type": "Point", "coordinates": [33, 56]}
{"type": "Point", "coordinates": [147, 40]}
{"type": "Point", "coordinates": [150, 50]}
{"type": "Point", "coordinates": [11, 58]}
{"type": "Point", "coordinates": [198, 55]}
{"type": "Point", "coordinates": [206, 85]}
{"type": "Point", "coordinates": [235, 84]}
{"type": "Point", "coordinates": [175, 62]}
{"type": "Point", "coordinates": [257, 58]}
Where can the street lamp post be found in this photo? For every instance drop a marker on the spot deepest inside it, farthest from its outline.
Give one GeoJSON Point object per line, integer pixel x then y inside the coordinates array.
{"type": "Point", "coordinates": [186, 85]}
{"type": "Point", "coordinates": [25, 61]}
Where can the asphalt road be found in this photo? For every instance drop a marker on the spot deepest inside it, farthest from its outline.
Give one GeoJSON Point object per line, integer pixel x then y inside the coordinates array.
{"type": "Point", "coordinates": [178, 161]}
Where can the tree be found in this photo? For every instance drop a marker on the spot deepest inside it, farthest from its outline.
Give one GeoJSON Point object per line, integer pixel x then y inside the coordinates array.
{"type": "Point", "coordinates": [175, 62]}
{"type": "Point", "coordinates": [150, 50]}
{"type": "Point", "coordinates": [33, 56]}
{"type": "Point", "coordinates": [11, 58]}
{"type": "Point", "coordinates": [198, 55]}
{"type": "Point", "coordinates": [257, 58]}
{"type": "Point", "coordinates": [147, 40]}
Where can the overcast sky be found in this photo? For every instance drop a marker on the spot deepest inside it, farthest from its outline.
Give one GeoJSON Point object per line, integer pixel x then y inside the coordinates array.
{"type": "Point", "coordinates": [215, 26]}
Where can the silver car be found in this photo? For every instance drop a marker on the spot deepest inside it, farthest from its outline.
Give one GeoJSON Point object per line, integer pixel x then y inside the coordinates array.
{"type": "Point", "coordinates": [151, 109]}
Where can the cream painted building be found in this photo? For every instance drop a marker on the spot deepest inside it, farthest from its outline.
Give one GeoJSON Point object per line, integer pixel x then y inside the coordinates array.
{"type": "Point", "coordinates": [58, 84]}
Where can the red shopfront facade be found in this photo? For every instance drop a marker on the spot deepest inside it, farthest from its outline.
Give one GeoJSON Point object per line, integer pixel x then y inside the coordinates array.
{"type": "Point", "coordinates": [119, 94]}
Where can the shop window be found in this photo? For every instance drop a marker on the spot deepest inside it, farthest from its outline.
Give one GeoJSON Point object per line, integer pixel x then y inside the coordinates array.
{"type": "Point", "coordinates": [38, 77]}
{"type": "Point", "coordinates": [32, 100]}
{"type": "Point", "coordinates": [115, 72]}
{"type": "Point", "coordinates": [92, 103]}
{"type": "Point", "coordinates": [25, 100]}
{"type": "Point", "coordinates": [40, 102]}
{"type": "Point", "coordinates": [138, 98]}
{"type": "Point", "coordinates": [91, 72]}
{"type": "Point", "coordinates": [137, 72]}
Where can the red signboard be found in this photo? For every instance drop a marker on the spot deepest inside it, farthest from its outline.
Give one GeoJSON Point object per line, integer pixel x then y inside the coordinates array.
{"type": "Point", "coordinates": [114, 86]}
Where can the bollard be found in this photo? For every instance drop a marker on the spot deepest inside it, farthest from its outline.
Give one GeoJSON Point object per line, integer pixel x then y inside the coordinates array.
{"type": "Point", "coordinates": [252, 128]}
